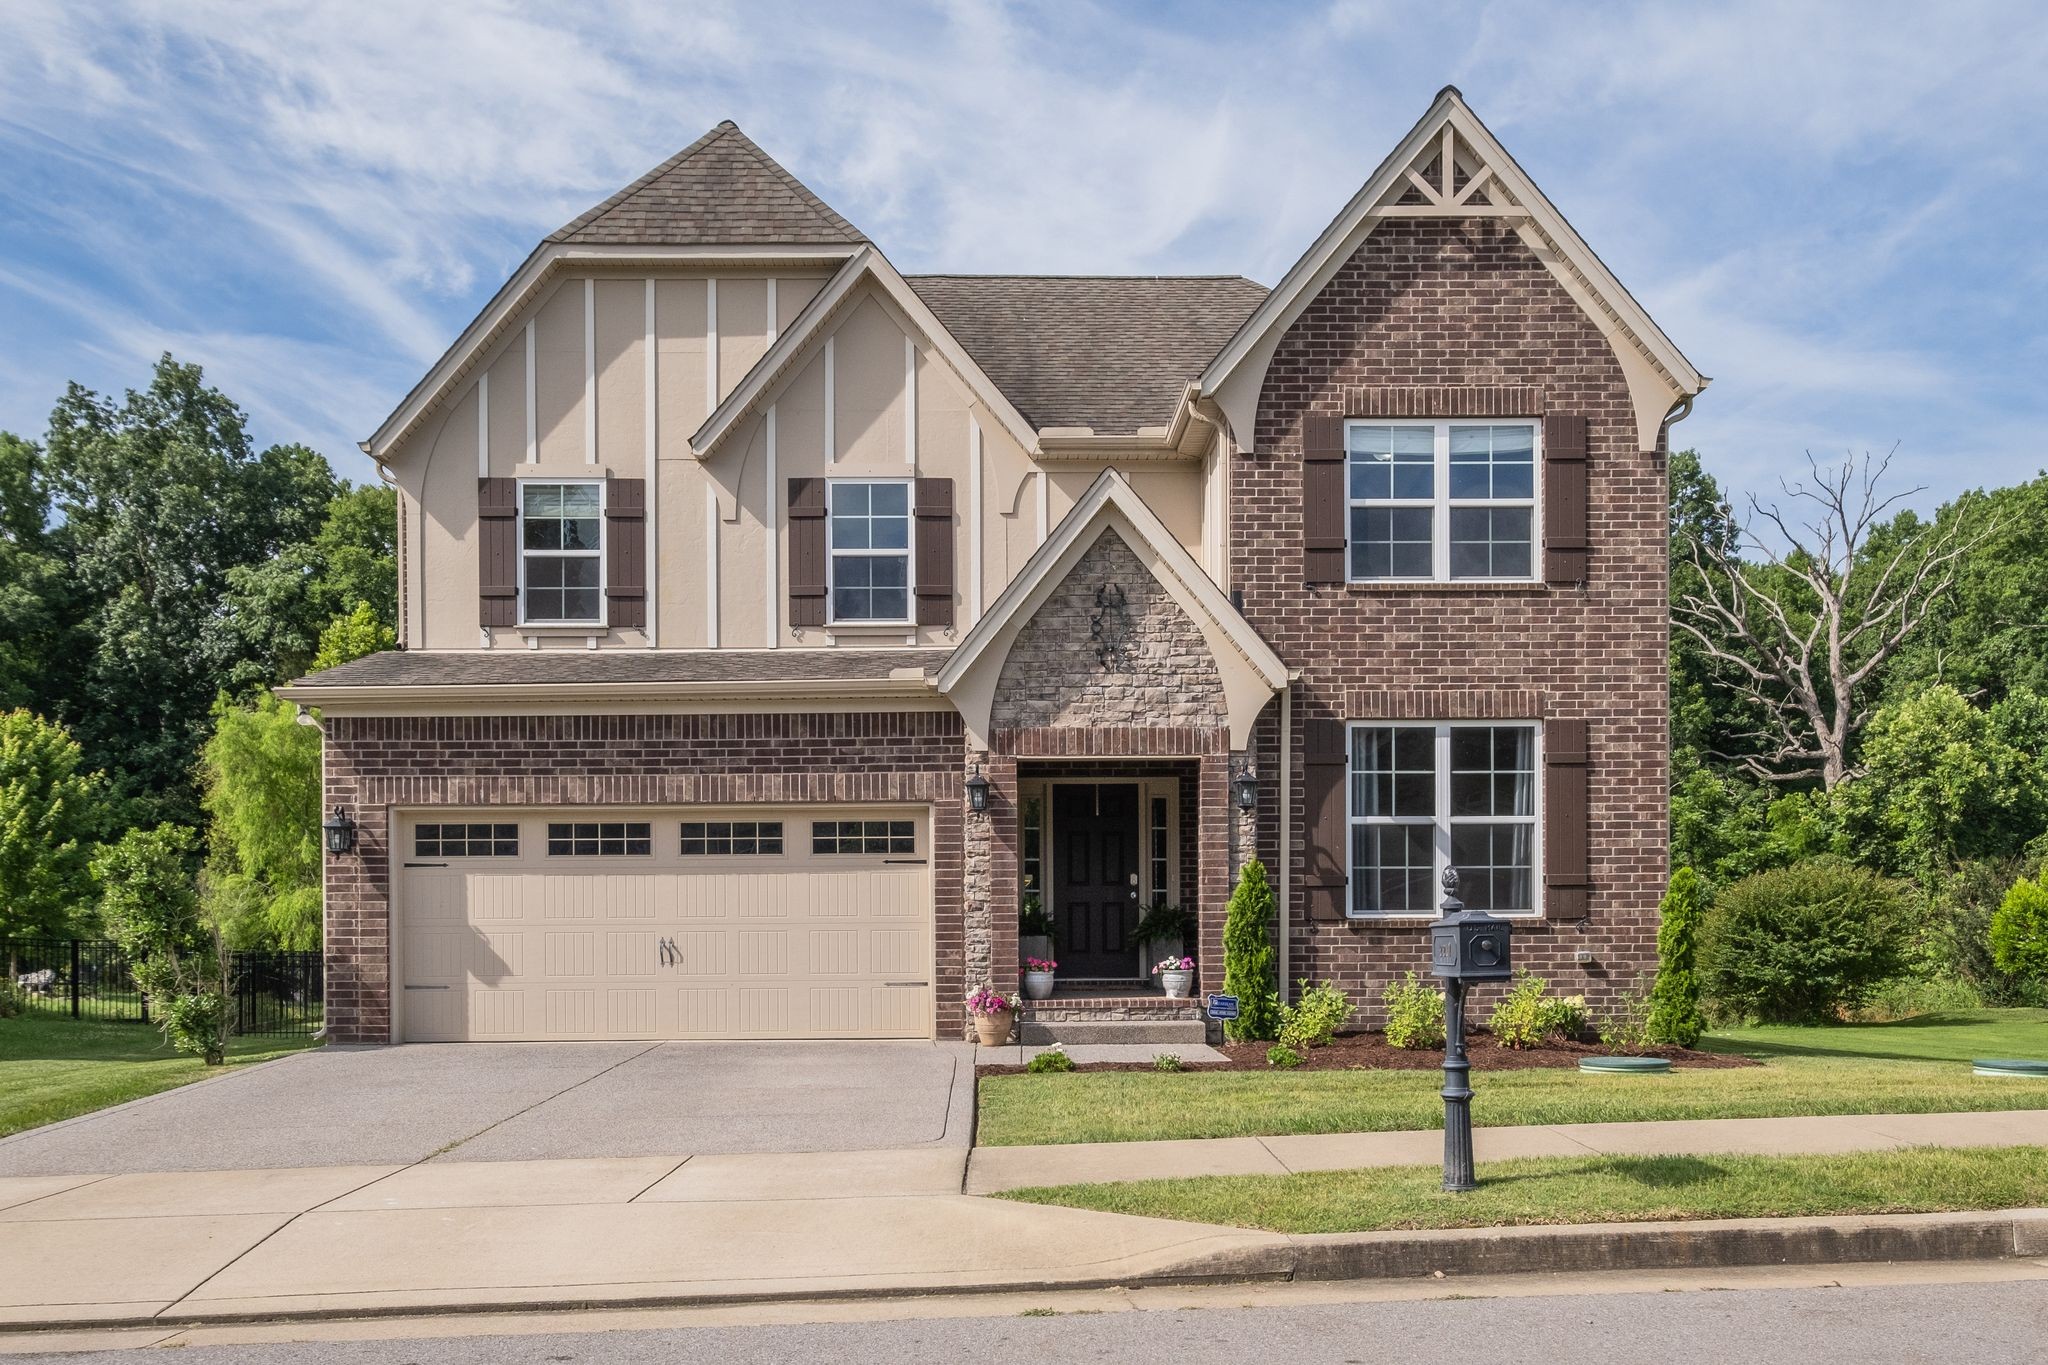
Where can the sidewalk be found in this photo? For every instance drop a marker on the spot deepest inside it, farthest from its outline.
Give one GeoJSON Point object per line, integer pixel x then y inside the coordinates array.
{"type": "Point", "coordinates": [992, 1169]}
{"type": "Point", "coordinates": [482, 1236]}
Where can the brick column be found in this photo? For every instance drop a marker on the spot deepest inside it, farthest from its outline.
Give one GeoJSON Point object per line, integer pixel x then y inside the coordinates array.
{"type": "Point", "coordinates": [1213, 864]}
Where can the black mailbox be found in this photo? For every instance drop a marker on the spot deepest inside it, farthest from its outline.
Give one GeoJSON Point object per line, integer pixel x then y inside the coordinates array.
{"type": "Point", "coordinates": [1468, 945]}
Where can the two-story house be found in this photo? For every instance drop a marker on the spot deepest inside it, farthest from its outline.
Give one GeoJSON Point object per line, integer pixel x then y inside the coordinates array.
{"type": "Point", "coordinates": [772, 623]}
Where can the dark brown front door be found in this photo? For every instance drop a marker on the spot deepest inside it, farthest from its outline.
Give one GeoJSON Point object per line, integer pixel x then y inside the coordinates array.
{"type": "Point", "coordinates": [1095, 876]}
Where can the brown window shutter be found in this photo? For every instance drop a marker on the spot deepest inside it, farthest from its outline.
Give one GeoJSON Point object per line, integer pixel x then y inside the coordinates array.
{"type": "Point", "coordinates": [497, 510]}
{"type": "Point", "coordinates": [1323, 504]}
{"type": "Point", "coordinates": [625, 552]}
{"type": "Point", "coordinates": [1325, 770]}
{"type": "Point", "coordinates": [1567, 866]}
{"type": "Point", "coordinates": [807, 552]}
{"type": "Point", "coordinates": [933, 504]}
{"type": "Point", "coordinates": [1564, 498]}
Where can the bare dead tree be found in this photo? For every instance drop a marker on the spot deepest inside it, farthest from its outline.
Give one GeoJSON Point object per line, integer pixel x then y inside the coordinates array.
{"type": "Point", "coordinates": [1800, 630]}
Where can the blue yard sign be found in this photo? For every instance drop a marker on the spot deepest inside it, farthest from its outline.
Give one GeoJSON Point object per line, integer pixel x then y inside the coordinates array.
{"type": "Point", "coordinates": [1223, 1007]}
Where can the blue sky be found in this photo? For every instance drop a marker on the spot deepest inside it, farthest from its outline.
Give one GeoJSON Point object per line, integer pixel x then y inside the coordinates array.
{"type": "Point", "coordinates": [1833, 208]}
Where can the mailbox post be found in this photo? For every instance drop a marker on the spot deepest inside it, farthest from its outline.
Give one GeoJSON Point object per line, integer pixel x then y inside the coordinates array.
{"type": "Point", "coordinates": [1465, 945]}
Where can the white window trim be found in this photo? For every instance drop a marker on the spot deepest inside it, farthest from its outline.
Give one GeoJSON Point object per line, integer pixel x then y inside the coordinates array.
{"type": "Point", "coordinates": [909, 553]}
{"type": "Point", "coordinates": [1441, 819]}
{"type": "Point", "coordinates": [602, 619]}
{"type": "Point", "coordinates": [1440, 505]}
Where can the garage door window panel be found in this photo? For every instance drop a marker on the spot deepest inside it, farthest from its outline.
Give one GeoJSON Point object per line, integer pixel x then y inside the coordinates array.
{"type": "Point", "coordinates": [600, 839]}
{"type": "Point", "coordinates": [465, 841]}
{"type": "Point", "coordinates": [727, 838]}
{"type": "Point", "coordinates": [863, 836]}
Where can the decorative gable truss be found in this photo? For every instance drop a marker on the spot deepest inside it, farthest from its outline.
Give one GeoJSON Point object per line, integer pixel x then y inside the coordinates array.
{"type": "Point", "coordinates": [1450, 166]}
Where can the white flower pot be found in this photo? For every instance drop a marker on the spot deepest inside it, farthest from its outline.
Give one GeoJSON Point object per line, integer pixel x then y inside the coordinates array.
{"type": "Point", "coordinates": [1177, 984]}
{"type": "Point", "coordinates": [1037, 985]}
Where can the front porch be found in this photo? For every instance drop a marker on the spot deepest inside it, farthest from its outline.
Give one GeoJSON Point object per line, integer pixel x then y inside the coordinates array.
{"type": "Point", "coordinates": [1111, 1012]}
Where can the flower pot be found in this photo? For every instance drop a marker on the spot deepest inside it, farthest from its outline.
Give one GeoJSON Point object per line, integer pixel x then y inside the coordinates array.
{"type": "Point", "coordinates": [1037, 985]}
{"type": "Point", "coordinates": [1034, 945]}
{"type": "Point", "coordinates": [1178, 984]}
{"type": "Point", "coordinates": [994, 1029]}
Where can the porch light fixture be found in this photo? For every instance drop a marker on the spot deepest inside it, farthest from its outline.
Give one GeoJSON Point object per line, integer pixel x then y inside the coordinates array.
{"type": "Point", "coordinates": [341, 832]}
{"type": "Point", "coordinates": [977, 792]}
{"type": "Point", "coordinates": [1245, 787]}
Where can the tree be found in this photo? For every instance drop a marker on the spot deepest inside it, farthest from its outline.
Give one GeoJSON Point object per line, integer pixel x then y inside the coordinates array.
{"type": "Point", "coordinates": [1992, 636]}
{"type": "Point", "coordinates": [277, 611]}
{"type": "Point", "coordinates": [179, 955]}
{"type": "Point", "coordinates": [1802, 631]}
{"type": "Point", "coordinates": [50, 813]}
{"type": "Point", "coordinates": [1675, 997]}
{"type": "Point", "coordinates": [1249, 969]}
{"type": "Point", "coordinates": [261, 772]}
{"type": "Point", "coordinates": [36, 638]}
{"type": "Point", "coordinates": [2019, 931]}
{"type": "Point", "coordinates": [160, 496]}
{"type": "Point", "coordinates": [353, 636]}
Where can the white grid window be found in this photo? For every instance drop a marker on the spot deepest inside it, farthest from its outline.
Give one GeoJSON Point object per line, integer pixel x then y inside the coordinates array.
{"type": "Point", "coordinates": [869, 525]}
{"type": "Point", "coordinates": [1441, 501]}
{"type": "Point", "coordinates": [1423, 797]}
{"type": "Point", "coordinates": [561, 553]}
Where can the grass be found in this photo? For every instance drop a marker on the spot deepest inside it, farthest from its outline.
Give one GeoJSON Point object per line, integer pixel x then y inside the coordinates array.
{"type": "Point", "coordinates": [1594, 1189]}
{"type": "Point", "coordinates": [55, 1068]}
{"type": "Point", "coordinates": [1908, 1066]}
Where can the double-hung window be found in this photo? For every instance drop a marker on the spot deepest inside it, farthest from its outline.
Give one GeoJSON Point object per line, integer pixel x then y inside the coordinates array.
{"type": "Point", "coordinates": [1426, 797]}
{"type": "Point", "coordinates": [869, 521]}
{"type": "Point", "coordinates": [1441, 501]}
{"type": "Point", "coordinates": [561, 553]}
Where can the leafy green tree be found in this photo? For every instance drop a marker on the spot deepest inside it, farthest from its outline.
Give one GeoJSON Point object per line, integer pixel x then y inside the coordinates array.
{"type": "Point", "coordinates": [50, 813]}
{"type": "Point", "coordinates": [261, 771]}
{"type": "Point", "coordinates": [1250, 970]}
{"type": "Point", "coordinates": [1675, 1015]}
{"type": "Point", "coordinates": [178, 954]}
{"type": "Point", "coordinates": [37, 641]}
{"type": "Point", "coordinates": [277, 611]}
{"type": "Point", "coordinates": [1992, 637]}
{"type": "Point", "coordinates": [2019, 931]}
{"type": "Point", "coordinates": [353, 636]}
{"type": "Point", "coordinates": [1796, 944]}
{"type": "Point", "coordinates": [160, 496]}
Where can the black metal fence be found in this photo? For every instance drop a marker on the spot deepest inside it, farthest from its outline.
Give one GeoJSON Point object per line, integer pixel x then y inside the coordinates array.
{"type": "Point", "coordinates": [277, 994]}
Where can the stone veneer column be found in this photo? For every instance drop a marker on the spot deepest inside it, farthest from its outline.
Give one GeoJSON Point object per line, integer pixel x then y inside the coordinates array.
{"type": "Point", "coordinates": [1244, 824]}
{"type": "Point", "coordinates": [990, 881]}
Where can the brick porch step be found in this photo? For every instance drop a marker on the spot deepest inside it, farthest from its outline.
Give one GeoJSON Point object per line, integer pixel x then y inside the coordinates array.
{"type": "Point", "coordinates": [1082, 1019]}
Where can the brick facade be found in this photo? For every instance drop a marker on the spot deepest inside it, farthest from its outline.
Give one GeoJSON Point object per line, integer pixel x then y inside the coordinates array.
{"type": "Point", "coordinates": [1436, 318]}
{"type": "Point", "coordinates": [376, 764]}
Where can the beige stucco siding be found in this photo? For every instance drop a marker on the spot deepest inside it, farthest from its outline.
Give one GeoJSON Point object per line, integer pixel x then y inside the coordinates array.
{"type": "Point", "coordinates": [1174, 491]}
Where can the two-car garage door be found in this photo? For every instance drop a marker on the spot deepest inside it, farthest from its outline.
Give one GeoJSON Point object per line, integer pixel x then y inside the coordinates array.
{"type": "Point", "coordinates": [809, 922]}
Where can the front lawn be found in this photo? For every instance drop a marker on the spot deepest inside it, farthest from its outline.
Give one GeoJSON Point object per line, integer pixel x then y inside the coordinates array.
{"type": "Point", "coordinates": [56, 1068]}
{"type": "Point", "coordinates": [1602, 1189]}
{"type": "Point", "coordinates": [1911, 1066]}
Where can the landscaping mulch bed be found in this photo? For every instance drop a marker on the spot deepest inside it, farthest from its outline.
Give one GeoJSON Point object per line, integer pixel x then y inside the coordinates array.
{"type": "Point", "coordinates": [1371, 1052]}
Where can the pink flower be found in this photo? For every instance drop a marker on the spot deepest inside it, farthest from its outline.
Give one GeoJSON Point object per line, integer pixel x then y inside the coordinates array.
{"type": "Point", "coordinates": [1039, 964]}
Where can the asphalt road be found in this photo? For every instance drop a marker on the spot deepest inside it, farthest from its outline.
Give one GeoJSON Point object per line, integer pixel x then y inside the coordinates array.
{"type": "Point", "coordinates": [1982, 1324]}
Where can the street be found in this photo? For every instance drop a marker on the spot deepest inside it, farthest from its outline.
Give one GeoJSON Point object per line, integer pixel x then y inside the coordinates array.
{"type": "Point", "coordinates": [1980, 1314]}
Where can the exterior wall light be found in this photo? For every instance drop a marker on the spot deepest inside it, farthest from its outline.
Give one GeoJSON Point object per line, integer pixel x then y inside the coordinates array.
{"type": "Point", "coordinates": [341, 832]}
{"type": "Point", "coordinates": [977, 792]}
{"type": "Point", "coordinates": [1246, 789]}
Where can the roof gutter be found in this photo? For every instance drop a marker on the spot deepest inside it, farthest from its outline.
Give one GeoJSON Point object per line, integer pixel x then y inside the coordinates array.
{"type": "Point", "coordinates": [567, 695]}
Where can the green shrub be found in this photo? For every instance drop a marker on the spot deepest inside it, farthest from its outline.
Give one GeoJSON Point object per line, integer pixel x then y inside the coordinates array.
{"type": "Point", "coordinates": [1951, 943]}
{"type": "Point", "coordinates": [1902, 997]}
{"type": "Point", "coordinates": [12, 999]}
{"type": "Point", "coordinates": [1167, 1061]}
{"type": "Point", "coordinates": [1313, 1020]}
{"type": "Point", "coordinates": [1675, 1016]}
{"type": "Point", "coordinates": [1798, 944]}
{"type": "Point", "coordinates": [1282, 1056]}
{"type": "Point", "coordinates": [1033, 919]}
{"type": "Point", "coordinates": [2019, 931]}
{"type": "Point", "coordinates": [1054, 1059]}
{"type": "Point", "coordinates": [179, 955]}
{"type": "Point", "coordinates": [1248, 966]}
{"type": "Point", "coordinates": [1627, 1029]}
{"type": "Point", "coordinates": [1527, 1016]}
{"type": "Point", "coordinates": [1415, 1013]}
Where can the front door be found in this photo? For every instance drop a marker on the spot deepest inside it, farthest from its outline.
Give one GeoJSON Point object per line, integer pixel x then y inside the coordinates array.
{"type": "Point", "coordinates": [1095, 877]}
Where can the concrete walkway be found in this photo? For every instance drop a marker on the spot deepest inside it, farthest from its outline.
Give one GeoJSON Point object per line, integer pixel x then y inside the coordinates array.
{"type": "Point", "coordinates": [992, 1169]}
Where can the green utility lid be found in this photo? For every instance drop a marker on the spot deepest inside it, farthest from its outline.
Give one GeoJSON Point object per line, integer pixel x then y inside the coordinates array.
{"type": "Point", "coordinates": [1625, 1066]}
{"type": "Point", "coordinates": [2009, 1066]}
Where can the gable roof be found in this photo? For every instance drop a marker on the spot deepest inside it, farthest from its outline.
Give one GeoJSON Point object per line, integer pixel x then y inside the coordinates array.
{"type": "Point", "coordinates": [1475, 177]}
{"type": "Point", "coordinates": [1112, 353]}
{"type": "Point", "coordinates": [721, 189]}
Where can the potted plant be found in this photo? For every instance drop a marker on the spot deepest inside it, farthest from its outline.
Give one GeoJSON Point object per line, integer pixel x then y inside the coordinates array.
{"type": "Point", "coordinates": [1167, 928]}
{"type": "Point", "coordinates": [994, 1015]}
{"type": "Point", "coordinates": [1177, 974]}
{"type": "Point", "coordinates": [1034, 927]}
{"type": "Point", "coordinates": [1038, 977]}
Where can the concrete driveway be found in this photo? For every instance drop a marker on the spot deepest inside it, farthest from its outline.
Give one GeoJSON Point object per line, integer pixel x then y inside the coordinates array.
{"type": "Point", "coordinates": [525, 1101]}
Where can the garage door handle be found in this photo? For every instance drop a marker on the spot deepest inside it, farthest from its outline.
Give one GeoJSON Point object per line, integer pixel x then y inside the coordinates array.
{"type": "Point", "coordinates": [426, 864]}
{"type": "Point", "coordinates": [913, 862]}
{"type": "Point", "coordinates": [906, 983]}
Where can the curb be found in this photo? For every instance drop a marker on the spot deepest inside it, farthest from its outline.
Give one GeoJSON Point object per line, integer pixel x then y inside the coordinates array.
{"type": "Point", "coordinates": [1917, 1237]}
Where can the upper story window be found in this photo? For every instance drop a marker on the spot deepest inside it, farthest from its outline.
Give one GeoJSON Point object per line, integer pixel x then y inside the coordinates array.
{"type": "Point", "coordinates": [869, 529]}
{"type": "Point", "coordinates": [561, 553]}
{"type": "Point", "coordinates": [1424, 797]}
{"type": "Point", "coordinates": [1441, 501]}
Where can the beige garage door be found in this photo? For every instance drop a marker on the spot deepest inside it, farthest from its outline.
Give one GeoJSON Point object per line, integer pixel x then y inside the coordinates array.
{"type": "Point", "coordinates": [573, 924]}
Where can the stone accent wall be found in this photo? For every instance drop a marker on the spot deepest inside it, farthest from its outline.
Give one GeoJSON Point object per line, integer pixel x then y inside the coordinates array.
{"type": "Point", "coordinates": [1160, 675]}
{"type": "Point", "coordinates": [1441, 319]}
{"type": "Point", "coordinates": [377, 763]}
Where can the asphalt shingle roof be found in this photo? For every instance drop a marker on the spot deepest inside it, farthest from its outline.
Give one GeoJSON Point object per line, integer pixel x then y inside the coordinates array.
{"type": "Point", "coordinates": [1108, 352]}
{"type": "Point", "coordinates": [569, 667]}
{"type": "Point", "coordinates": [722, 190]}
